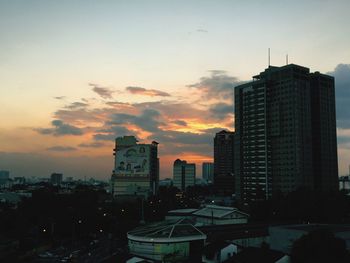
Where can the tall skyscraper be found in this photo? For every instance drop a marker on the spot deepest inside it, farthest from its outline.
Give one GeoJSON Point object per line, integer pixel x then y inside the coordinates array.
{"type": "Point", "coordinates": [285, 133]}
{"type": "Point", "coordinates": [56, 178]}
{"type": "Point", "coordinates": [208, 171]}
{"type": "Point", "coordinates": [223, 162]}
{"type": "Point", "coordinates": [184, 174]}
{"type": "Point", "coordinates": [4, 177]}
{"type": "Point", "coordinates": [136, 167]}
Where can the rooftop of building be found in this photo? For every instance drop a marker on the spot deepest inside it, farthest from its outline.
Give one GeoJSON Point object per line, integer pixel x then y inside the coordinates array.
{"type": "Point", "coordinates": [212, 211]}
{"type": "Point", "coordinates": [273, 69]}
{"type": "Point", "coordinates": [182, 162]}
{"type": "Point", "coordinates": [252, 254]}
{"type": "Point", "coordinates": [313, 227]}
{"type": "Point", "coordinates": [185, 211]}
{"type": "Point", "coordinates": [225, 132]}
{"type": "Point", "coordinates": [165, 230]}
{"type": "Point", "coordinates": [178, 161]}
{"type": "Point", "coordinates": [131, 141]}
{"type": "Point", "coordinates": [215, 211]}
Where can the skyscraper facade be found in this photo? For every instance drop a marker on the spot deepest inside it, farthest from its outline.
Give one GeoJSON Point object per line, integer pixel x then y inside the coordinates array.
{"type": "Point", "coordinates": [285, 133]}
{"type": "Point", "coordinates": [223, 162]}
{"type": "Point", "coordinates": [136, 168]}
{"type": "Point", "coordinates": [208, 172]}
{"type": "Point", "coordinates": [4, 177]}
{"type": "Point", "coordinates": [56, 178]}
{"type": "Point", "coordinates": [184, 174]}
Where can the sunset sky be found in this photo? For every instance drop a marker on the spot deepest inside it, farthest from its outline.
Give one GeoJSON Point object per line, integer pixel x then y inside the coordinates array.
{"type": "Point", "coordinates": [76, 74]}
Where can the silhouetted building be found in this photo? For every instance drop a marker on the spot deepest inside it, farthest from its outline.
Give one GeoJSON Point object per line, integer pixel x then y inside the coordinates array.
{"type": "Point", "coordinates": [136, 169]}
{"type": "Point", "coordinates": [223, 162]}
{"type": "Point", "coordinates": [4, 176]}
{"type": "Point", "coordinates": [184, 174]}
{"type": "Point", "coordinates": [208, 171]}
{"type": "Point", "coordinates": [167, 241]}
{"type": "Point", "coordinates": [56, 178]}
{"type": "Point", "coordinates": [324, 137]}
{"type": "Point", "coordinates": [285, 133]}
{"type": "Point", "coordinates": [20, 180]}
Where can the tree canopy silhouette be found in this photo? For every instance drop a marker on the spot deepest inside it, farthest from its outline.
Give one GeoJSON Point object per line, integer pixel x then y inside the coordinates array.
{"type": "Point", "coordinates": [319, 246]}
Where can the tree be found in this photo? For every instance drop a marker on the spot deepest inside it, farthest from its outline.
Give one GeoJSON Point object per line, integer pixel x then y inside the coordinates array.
{"type": "Point", "coordinates": [319, 246]}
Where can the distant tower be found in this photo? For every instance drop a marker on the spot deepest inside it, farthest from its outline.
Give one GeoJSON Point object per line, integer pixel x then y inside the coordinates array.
{"type": "Point", "coordinates": [56, 178]}
{"type": "Point", "coordinates": [208, 171]}
{"type": "Point", "coordinates": [4, 177]}
{"type": "Point", "coordinates": [223, 162]}
{"type": "Point", "coordinates": [184, 174]}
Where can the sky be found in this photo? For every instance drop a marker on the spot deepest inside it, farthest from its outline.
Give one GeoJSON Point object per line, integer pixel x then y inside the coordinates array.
{"type": "Point", "coordinates": [76, 74]}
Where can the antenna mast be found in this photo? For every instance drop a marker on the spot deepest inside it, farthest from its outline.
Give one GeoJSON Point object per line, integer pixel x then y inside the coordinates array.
{"type": "Point", "coordinates": [269, 57]}
{"type": "Point", "coordinates": [287, 59]}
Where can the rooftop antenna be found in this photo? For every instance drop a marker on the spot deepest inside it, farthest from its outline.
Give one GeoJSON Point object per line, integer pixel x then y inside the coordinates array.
{"type": "Point", "coordinates": [287, 59]}
{"type": "Point", "coordinates": [269, 57]}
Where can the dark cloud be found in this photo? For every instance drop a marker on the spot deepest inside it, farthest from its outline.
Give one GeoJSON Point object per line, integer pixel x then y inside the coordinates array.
{"type": "Point", "coordinates": [111, 132]}
{"type": "Point", "coordinates": [167, 136]}
{"type": "Point", "coordinates": [60, 128]}
{"type": "Point", "coordinates": [76, 105]}
{"type": "Point", "coordinates": [117, 103]}
{"type": "Point", "coordinates": [105, 93]}
{"type": "Point", "coordinates": [178, 149]}
{"type": "Point", "coordinates": [180, 122]}
{"type": "Point", "coordinates": [107, 136]}
{"type": "Point", "coordinates": [91, 145]}
{"type": "Point", "coordinates": [61, 149]}
{"type": "Point", "coordinates": [147, 120]}
{"type": "Point", "coordinates": [173, 110]}
{"type": "Point", "coordinates": [60, 97]}
{"type": "Point", "coordinates": [222, 110]}
{"type": "Point", "coordinates": [80, 115]}
{"type": "Point", "coordinates": [147, 92]}
{"type": "Point", "coordinates": [214, 130]}
{"type": "Point", "coordinates": [218, 85]}
{"type": "Point", "coordinates": [341, 74]}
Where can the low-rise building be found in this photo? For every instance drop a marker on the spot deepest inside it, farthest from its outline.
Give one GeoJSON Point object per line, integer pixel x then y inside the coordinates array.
{"type": "Point", "coordinates": [220, 215]}
{"type": "Point", "coordinates": [167, 241]}
{"type": "Point", "coordinates": [217, 252]}
{"type": "Point", "coordinates": [211, 215]}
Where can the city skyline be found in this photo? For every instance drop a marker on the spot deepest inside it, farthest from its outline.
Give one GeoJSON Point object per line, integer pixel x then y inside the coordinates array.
{"type": "Point", "coordinates": [75, 77]}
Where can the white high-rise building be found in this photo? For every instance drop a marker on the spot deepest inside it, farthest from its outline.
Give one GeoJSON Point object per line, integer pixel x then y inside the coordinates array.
{"type": "Point", "coordinates": [136, 167]}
